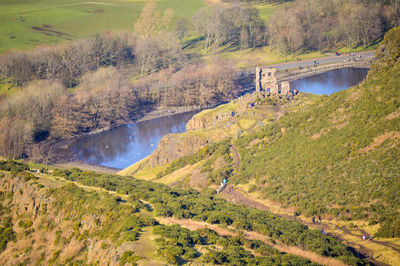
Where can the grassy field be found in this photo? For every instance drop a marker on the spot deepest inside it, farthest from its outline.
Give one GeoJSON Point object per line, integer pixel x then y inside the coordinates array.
{"type": "Point", "coordinates": [265, 11]}
{"type": "Point", "coordinates": [46, 21]}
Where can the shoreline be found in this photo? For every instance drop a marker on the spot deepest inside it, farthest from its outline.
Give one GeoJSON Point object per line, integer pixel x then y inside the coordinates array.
{"type": "Point", "coordinates": [155, 114]}
{"type": "Point", "coordinates": [86, 166]}
{"type": "Point", "coordinates": [58, 153]}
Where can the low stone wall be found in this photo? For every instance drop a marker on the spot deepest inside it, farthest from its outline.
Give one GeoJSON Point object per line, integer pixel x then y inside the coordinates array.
{"type": "Point", "coordinates": [311, 71]}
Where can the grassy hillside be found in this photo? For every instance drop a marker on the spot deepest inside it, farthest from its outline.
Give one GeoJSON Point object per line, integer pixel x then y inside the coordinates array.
{"type": "Point", "coordinates": [341, 155]}
{"type": "Point", "coordinates": [81, 217]}
{"type": "Point", "coordinates": [335, 156]}
{"type": "Point", "coordinates": [46, 21]}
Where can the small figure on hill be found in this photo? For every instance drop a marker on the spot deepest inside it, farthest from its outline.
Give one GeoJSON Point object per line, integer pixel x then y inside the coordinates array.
{"type": "Point", "coordinates": [313, 219]}
{"type": "Point", "coordinates": [319, 218]}
{"type": "Point", "coordinates": [323, 231]}
{"type": "Point", "coordinates": [363, 237]}
{"type": "Point", "coordinates": [370, 237]}
{"type": "Point", "coordinates": [21, 18]}
{"type": "Point", "coordinates": [338, 225]}
{"type": "Point", "coordinates": [294, 214]}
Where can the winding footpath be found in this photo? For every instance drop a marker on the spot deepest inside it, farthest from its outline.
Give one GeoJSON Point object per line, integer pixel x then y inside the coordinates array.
{"type": "Point", "coordinates": [239, 196]}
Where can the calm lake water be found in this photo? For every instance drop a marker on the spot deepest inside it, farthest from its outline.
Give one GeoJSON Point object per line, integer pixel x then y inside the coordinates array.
{"type": "Point", "coordinates": [330, 82]}
{"type": "Point", "coordinates": [126, 145]}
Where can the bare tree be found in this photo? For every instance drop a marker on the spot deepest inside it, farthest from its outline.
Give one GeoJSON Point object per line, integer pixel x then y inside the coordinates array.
{"type": "Point", "coordinates": [151, 21]}
{"type": "Point", "coordinates": [145, 51]}
{"type": "Point", "coordinates": [181, 29]}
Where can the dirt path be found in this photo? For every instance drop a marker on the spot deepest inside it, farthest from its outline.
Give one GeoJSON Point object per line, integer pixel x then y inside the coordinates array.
{"type": "Point", "coordinates": [238, 196]}
{"type": "Point", "coordinates": [145, 248]}
{"type": "Point", "coordinates": [310, 62]}
{"type": "Point", "coordinates": [193, 225]}
{"type": "Point", "coordinates": [236, 156]}
{"type": "Point", "coordinates": [86, 166]}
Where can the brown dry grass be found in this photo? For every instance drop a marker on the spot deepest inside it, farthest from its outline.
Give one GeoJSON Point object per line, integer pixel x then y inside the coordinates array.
{"type": "Point", "coordinates": [380, 139]}
{"type": "Point", "coordinates": [73, 248]}
{"type": "Point", "coordinates": [393, 115]}
{"type": "Point", "coordinates": [316, 136]}
{"type": "Point", "coordinates": [194, 225]}
{"type": "Point", "coordinates": [198, 179]}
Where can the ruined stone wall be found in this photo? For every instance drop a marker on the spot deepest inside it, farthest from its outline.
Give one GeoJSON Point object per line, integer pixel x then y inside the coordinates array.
{"type": "Point", "coordinates": [266, 81]}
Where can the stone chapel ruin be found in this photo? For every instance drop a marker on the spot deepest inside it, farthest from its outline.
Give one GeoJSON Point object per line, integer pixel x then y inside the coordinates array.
{"type": "Point", "coordinates": [266, 81]}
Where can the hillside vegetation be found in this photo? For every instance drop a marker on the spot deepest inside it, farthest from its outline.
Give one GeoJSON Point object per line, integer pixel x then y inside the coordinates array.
{"type": "Point", "coordinates": [50, 219]}
{"type": "Point", "coordinates": [335, 155]}
{"type": "Point", "coordinates": [341, 155]}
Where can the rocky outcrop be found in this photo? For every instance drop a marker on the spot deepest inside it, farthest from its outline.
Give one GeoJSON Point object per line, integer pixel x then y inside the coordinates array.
{"type": "Point", "coordinates": [205, 121]}
{"type": "Point", "coordinates": [27, 197]}
{"type": "Point", "coordinates": [174, 146]}
{"type": "Point", "coordinates": [99, 255]}
{"type": "Point", "coordinates": [29, 201]}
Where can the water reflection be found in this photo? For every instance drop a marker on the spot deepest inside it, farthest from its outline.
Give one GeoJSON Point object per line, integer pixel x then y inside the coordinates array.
{"type": "Point", "coordinates": [123, 146]}
{"type": "Point", "coordinates": [331, 82]}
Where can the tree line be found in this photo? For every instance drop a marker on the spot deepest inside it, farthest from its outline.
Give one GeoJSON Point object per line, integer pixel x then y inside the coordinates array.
{"type": "Point", "coordinates": [296, 26]}
{"type": "Point", "coordinates": [326, 24]}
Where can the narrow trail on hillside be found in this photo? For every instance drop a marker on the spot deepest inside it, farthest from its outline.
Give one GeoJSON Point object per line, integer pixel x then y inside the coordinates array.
{"type": "Point", "coordinates": [239, 196]}
{"type": "Point", "coordinates": [236, 156]}
{"type": "Point", "coordinates": [144, 238]}
{"type": "Point", "coordinates": [251, 235]}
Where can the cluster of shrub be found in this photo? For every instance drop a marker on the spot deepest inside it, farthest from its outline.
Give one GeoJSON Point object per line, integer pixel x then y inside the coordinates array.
{"type": "Point", "coordinates": [178, 245]}
{"type": "Point", "coordinates": [121, 222]}
{"type": "Point", "coordinates": [7, 233]}
{"type": "Point", "coordinates": [181, 203]}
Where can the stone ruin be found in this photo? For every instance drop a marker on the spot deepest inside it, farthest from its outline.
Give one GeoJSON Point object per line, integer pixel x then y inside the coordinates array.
{"type": "Point", "coordinates": [266, 81]}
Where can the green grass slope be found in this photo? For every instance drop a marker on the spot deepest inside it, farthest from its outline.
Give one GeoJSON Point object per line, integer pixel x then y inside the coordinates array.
{"type": "Point", "coordinates": [46, 21]}
{"type": "Point", "coordinates": [77, 217]}
{"type": "Point", "coordinates": [341, 156]}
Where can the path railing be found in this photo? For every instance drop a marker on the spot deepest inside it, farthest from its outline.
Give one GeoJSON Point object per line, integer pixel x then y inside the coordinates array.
{"type": "Point", "coordinates": [310, 71]}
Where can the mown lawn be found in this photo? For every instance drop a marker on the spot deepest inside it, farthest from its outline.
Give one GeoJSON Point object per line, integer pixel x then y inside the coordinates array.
{"type": "Point", "coordinates": [46, 21]}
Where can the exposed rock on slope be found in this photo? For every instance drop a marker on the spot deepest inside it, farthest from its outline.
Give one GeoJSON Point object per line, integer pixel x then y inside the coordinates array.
{"type": "Point", "coordinates": [174, 146]}
{"type": "Point", "coordinates": [59, 224]}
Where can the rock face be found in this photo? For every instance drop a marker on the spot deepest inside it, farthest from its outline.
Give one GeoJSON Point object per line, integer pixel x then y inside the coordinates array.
{"type": "Point", "coordinates": [174, 146]}
{"type": "Point", "coordinates": [208, 121]}
{"type": "Point", "coordinates": [27, 199]}
{"type": "Point", "coordinates": [30, 201]}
